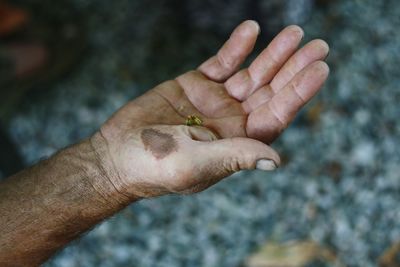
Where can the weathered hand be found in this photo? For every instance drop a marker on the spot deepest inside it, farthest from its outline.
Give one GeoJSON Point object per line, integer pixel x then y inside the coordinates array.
{"type": "Point", "coordinates": [146, 150]}
{"type": "Point", "coordinates": [151, 152]}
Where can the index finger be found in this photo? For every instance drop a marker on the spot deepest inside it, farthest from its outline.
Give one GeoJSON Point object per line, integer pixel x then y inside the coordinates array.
{"type": "Point", "coordinates": [233, 53]}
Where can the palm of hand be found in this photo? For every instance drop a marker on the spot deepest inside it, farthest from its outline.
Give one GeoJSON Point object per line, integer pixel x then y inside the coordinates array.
{"type": "Point", "coordinates": [257, 102]}
{"type": "Point", "coordinates": [204, 98]}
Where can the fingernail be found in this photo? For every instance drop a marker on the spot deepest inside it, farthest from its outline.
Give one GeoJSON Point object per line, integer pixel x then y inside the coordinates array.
{"type": "Point", "coordinates": [327, 55]}
{"type": "Point", "coordinates": [256, 25]}
{"type": "Point", "coordinates": [266, 165]}
{"type": "Point", "coordinates": [298, 30]}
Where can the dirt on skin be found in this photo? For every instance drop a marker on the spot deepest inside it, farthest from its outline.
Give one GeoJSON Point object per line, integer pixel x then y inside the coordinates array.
{"type": "Point", "coordinates": [160, 144]}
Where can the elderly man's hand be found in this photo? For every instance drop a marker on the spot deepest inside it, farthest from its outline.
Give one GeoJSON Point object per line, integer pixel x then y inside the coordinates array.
{"type": "Point", "coordinates": [146, 149]}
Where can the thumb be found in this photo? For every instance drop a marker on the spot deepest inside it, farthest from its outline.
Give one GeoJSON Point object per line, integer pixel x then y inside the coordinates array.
{"type": "Point", "coordinates": [226, 156]}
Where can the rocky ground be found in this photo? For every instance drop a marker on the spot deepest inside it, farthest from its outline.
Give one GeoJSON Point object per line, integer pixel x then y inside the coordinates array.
{"type": "Point", "coordinates": [340, 183]}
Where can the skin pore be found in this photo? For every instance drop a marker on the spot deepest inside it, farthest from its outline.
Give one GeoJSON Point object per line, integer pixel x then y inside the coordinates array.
{"type": "Point", "coordinates": [160, 144]}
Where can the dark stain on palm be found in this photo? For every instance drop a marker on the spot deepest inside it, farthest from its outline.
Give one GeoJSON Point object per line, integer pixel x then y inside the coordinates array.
{"type": "Point", "coordinates": [160, 144]}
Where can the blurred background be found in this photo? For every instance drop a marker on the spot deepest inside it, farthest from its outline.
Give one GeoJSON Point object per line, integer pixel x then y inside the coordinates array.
{"type": "Point", "coordinates": [65, 66]}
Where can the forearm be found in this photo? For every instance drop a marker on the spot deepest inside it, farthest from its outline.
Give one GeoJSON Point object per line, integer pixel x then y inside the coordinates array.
{"type": "Point", "coordinates": [46, 206]}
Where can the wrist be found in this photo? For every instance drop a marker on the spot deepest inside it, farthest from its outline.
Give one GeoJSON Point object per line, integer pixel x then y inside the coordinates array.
{"type": "Point", "coordinates": [108, 174]}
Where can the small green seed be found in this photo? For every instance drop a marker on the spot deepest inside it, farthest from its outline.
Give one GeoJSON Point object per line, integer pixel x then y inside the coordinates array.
{"type": "Point", "coordinates": [193, 120]}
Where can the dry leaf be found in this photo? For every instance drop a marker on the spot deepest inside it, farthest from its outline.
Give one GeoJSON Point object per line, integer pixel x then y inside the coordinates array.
{"type": "Point", "coordinates": [291, 254]}
{"type": "Point", "coordinates": [391, 257]}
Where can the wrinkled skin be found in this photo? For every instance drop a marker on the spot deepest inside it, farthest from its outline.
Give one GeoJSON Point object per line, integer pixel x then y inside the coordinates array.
{"type": "Point", "coordinates": [242, 111]}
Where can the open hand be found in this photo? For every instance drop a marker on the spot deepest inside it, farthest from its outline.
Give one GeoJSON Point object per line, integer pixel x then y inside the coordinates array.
{"type": "Point", "coordinates": [148, 150]}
